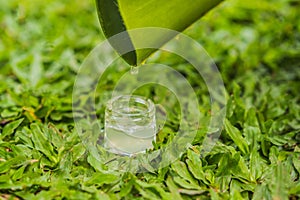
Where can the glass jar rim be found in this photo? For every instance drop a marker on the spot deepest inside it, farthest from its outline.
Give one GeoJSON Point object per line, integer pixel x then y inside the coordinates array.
{"type": "Point", "coordinates": [150, 107]}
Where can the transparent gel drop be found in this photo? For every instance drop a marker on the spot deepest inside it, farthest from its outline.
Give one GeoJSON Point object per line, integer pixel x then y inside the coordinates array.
{"type": "Point", "coordinates": [134, 70]}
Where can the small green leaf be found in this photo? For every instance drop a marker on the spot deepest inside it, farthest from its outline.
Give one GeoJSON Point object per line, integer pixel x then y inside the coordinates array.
{"type": "Point", "coordinates": [241, 170]}
{"type": "Point", "coordinates": [103, 196]}
{"type": "Point", "coordinates": [78, 151]}
{"type": "Point", "coordinates": [251, 119]}
{"type": "Point", "coordinates": [10, 128]}
{"type": "Point", "coordinates": [236, 136]}
{"type": "Point", "coordinates": [226, 164]}
{"type": "Point", "coordinates": [41, 143]}
{"type": "Point", "coordinates": [296, 161]}
{"type": "Point", "coordinates": [261, 192]}
{"type": "Point", "coordinates": [5, 166]}
{"type": "Point", "coordinates": [95, 163]}
{"type": "Point", "coordinates": [55, 136]}
{"type": "Point", "coordinates": [156, 186]}
{"type": "Point", "coordinates": [6, 113]}
{"type": "Point", "coordinates": [66, 163]}
{"type": "Point", "coordinates": [181, 169]}
{"type": "Point", "coordinates": [147, 193]}
{"type": "Point", "coordinates": [222, 182]}
{"type": "Point", "coordinates": [195, 165]}
{"type": "Point", "coordinates": [127, 186]}
{"type": "Point", "coordinates": [185, 184]}
{"type": "Point", "coordinates": [19, 173]}
{"type": "Point", "coordinates": [235, 190]}
{"type": "Point", "coordinates": [279, 182]}
{"type": "Point", "coordinates": [101, 178]}
{"type": "Point", "coordinates": [173, 189]}
{"type": "Point", "coordinates": [214, 195]}
{"type": "Point", "coordinates": [295, 190]}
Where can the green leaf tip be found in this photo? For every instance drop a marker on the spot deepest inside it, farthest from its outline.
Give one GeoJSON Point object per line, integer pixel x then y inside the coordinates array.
{"type": "Point", "coordinates": [124, 15]}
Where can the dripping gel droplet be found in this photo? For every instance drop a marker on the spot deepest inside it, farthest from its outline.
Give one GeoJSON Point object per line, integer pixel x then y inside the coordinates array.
{"type": "Point", "coordinates": [134, 70]}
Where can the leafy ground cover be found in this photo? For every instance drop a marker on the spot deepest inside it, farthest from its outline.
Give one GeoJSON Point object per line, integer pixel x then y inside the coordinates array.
{"type": "Point", "coordinates": [256, 45]}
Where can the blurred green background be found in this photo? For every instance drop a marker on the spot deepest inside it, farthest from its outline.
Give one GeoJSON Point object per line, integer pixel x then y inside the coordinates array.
{"type": "Point", "coordinates": [256, 45]}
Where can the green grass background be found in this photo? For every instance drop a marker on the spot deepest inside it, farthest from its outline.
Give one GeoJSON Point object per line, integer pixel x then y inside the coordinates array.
{"type": "Point", "coordinates": [256, 45]}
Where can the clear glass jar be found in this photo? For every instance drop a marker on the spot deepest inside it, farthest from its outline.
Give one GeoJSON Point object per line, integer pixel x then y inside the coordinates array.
{"type": "Point", "coordinates": [130, 125]}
